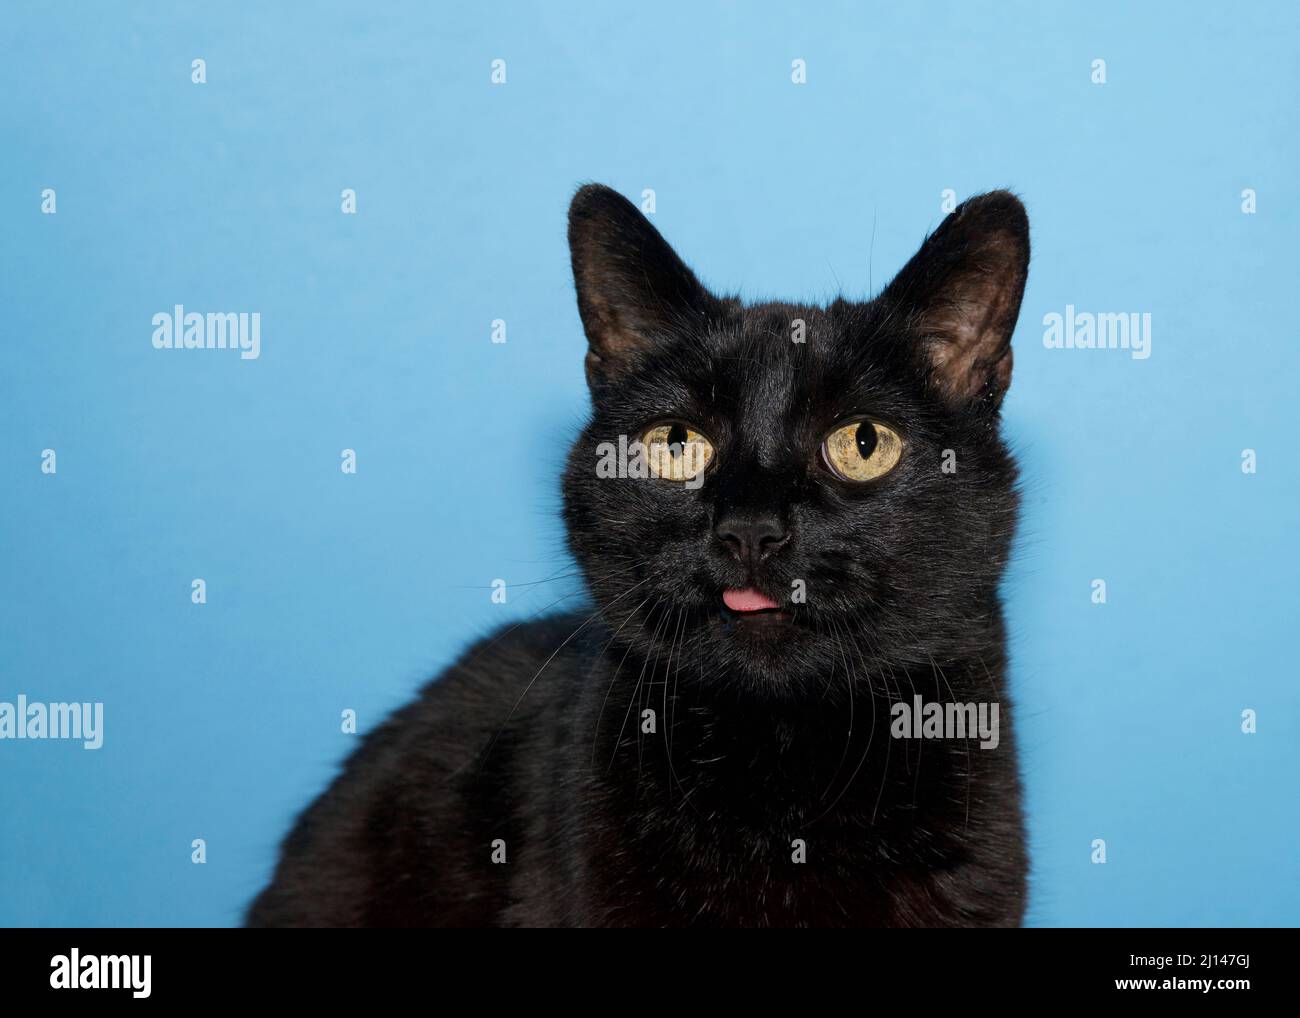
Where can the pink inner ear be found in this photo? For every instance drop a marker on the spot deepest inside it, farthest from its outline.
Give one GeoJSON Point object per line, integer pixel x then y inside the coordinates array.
{"type": "Point", "coordinates": [961, 293]}
{"type": "Point", "coordinates": [970, 326]}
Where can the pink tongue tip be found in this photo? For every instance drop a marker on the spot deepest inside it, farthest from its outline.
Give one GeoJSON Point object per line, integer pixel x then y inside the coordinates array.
{"type": "Point", "coordinates": [748, 600]}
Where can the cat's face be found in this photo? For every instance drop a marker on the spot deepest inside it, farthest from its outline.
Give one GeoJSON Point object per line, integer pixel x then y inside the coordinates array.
{"type": "Point", "coordinates": [819, 488]}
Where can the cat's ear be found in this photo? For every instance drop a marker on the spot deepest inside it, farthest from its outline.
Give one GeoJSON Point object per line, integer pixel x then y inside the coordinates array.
{"type": "Point", "coordinates": [633, 290]}
{"type": "Point", "coordinates": [961, 296]}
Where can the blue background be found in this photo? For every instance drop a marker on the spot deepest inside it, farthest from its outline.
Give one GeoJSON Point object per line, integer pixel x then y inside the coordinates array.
{"type": "Point", "coordinates": [328, 591]}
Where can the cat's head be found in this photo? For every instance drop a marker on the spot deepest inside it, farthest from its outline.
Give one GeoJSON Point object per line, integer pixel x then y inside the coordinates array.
{"type": "Point", "coordinates": [775, 493]}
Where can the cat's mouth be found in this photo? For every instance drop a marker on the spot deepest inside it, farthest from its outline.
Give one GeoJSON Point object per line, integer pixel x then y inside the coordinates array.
{"type": "Point", "coordinates": [751, 606]}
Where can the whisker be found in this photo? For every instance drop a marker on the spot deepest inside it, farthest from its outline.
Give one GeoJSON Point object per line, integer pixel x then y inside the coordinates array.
{"type": "Point", "coordinates": [627, 650]}
{"type": "Point", "coordinates": [590, 618]}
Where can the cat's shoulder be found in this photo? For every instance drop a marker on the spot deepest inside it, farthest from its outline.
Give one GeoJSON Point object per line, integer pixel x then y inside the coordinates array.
{"type": "Point", "coordinates": [507, 676]}
{"type": "Point", "coordinates": [504, 662]}
{"type": "Point", "coordinates": [528, 642]}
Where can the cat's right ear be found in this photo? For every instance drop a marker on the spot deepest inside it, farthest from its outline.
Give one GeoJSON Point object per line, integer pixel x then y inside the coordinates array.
{"type": "Point", "coordinates": [633, 290]}
{"type": "Point", "coordinates": [961, 294]}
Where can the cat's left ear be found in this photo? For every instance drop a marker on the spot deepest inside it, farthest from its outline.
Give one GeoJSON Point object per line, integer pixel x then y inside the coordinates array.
{"type": "Point", "coordinates": [633, 290]}
{"type": "Point", "coordinates": [961, 296]}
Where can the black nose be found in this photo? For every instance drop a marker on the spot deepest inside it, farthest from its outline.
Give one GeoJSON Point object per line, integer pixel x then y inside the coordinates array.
{"type": "Point", "coordinates": [751, 538]}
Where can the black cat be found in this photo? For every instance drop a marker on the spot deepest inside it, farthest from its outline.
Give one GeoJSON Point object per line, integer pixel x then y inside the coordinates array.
{"type": "Point", "coordinates": [813, 516]}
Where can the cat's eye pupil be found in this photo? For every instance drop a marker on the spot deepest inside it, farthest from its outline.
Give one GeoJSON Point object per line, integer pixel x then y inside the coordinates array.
{"type": "Point", "coordinates": [867, 439]}
{"type": "Point", "coordinates": [677, 439]}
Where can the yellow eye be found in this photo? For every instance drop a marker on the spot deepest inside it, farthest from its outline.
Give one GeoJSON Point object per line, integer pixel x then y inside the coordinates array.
{"type": "Point", "coordinates": [862, 451]}
{"type": "Point", "coordinates": [676, 452]}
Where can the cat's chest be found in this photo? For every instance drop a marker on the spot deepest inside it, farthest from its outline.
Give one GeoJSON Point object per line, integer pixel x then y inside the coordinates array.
{"type": "Point", "coordinates": [663, 862]}
{"type": "Point", "coordinates": [771, 882]}
{"type": "Point", "coordinates": [727, 825]}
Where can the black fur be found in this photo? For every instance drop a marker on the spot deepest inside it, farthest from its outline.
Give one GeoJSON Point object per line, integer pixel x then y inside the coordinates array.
{"type": "Point", "coordinates": [765, 733]}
